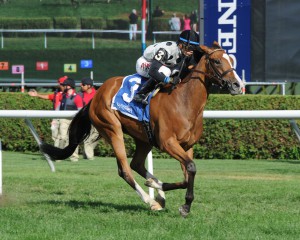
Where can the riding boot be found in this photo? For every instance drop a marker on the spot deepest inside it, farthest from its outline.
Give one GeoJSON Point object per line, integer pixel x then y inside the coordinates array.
{"type": "Point", "coordinates": [147, 87]}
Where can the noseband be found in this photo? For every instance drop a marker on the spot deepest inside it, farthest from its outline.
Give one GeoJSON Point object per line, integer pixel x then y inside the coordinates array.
{"type": "Point", "coordinates": [213, 69]}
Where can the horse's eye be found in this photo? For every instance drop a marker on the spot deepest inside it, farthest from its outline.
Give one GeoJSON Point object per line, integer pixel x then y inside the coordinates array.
{"type": "Point", "coordinates": [217, 61]}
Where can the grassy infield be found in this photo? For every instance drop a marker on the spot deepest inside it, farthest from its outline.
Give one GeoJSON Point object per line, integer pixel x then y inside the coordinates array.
{"type": "Point", "coordinates": [87, 200]}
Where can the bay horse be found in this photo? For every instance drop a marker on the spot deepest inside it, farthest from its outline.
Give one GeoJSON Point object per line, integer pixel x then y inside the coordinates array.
{"type": "Point", "coordinates": [176, 119]}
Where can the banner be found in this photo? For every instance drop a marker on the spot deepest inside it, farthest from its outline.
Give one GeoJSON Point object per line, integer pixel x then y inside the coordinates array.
{"type": "Point", "coordinates": [229, 23]}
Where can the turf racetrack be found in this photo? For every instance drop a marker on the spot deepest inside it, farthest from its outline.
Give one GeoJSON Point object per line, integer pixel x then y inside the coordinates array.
{"type": "Point", "coordinates": [246, 199]}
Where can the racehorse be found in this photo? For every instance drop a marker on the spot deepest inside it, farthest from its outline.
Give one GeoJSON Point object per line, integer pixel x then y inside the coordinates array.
{"type": "Point", "coordinates": [176, 119]}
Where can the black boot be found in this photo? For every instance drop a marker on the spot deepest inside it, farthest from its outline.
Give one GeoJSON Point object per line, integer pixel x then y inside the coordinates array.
{"type": "Point", "coordinates": [141, 95]}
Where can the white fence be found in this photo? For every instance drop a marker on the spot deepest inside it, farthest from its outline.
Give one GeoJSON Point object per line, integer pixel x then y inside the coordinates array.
{"type": "Point", "coordinates": [240, 115]}
{"type": "Point", "coordinates": [91, 31]}
{"type": "Point", "coordinates": [45, 31]}
{"type": "Point", "coordinates": [281, 84]}
{"type": "Point", "coordinates": [209, 114]}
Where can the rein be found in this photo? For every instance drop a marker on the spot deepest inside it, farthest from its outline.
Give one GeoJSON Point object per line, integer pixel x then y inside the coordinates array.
{"type": "Point", "coordinates": [211, 66]}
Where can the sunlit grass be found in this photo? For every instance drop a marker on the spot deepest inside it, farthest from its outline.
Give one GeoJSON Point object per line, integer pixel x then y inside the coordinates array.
{"type": "Point", "coordinates": [88, 200]}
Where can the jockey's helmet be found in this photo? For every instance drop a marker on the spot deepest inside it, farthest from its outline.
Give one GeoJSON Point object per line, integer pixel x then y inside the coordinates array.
{"type": "Point", "coordinates": [188, 37]}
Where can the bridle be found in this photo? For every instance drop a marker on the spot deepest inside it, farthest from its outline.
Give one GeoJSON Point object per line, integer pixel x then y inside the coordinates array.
{"type": "Point", "coordinates": [216, 75]}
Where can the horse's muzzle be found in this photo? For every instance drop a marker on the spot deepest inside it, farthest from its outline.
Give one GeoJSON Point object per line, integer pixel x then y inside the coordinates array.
{"type": "Point", "coordinates": [234, 87]}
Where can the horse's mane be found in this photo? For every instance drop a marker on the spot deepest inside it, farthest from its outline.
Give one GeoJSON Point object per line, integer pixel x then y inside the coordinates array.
{"type": "Point", "coordinates": [198, 55]}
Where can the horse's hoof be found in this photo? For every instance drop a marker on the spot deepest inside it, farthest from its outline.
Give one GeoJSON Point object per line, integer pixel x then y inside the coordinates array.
{"type": "Point", "coordinates": [151, 183]}
{"type": "Point", "coordinates": [161, 201]}
{"type": "Point", "coordinates": [184, 210]}
{"type": "Point", "coordinates": [155, 206]}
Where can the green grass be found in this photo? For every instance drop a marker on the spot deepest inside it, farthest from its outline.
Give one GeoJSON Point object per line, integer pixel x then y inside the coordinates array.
{"type": "Point", "coordinates": [96, 8]}
{"type": "Point", "coordinates": [87, 200]}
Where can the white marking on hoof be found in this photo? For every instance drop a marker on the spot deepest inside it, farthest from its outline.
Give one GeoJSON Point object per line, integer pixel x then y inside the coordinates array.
{"type": "Point", "coordinates": [155, 206]}
{"type": "Point", "coordinates": [151, 183]}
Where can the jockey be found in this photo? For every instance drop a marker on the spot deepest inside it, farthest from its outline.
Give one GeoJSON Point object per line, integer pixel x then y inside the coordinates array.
{"type": "Point", "coordinates": [161, 62]}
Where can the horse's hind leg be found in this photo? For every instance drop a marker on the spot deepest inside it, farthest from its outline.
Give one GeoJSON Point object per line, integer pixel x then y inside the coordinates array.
{"type": "Point", "coordinates": [138, 165]}
{"type": "Point", "coordinates": [114, 135]}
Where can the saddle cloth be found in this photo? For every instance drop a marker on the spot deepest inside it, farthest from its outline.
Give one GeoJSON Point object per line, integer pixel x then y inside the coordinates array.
{"type": "Point", "coordinates": [123, 100]}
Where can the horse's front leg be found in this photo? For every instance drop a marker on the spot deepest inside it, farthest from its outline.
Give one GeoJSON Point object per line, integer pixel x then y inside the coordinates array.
{"type": "Point", "coordinates": [172, 186]}
{"type": "Point", "coordinates": [172, 147]}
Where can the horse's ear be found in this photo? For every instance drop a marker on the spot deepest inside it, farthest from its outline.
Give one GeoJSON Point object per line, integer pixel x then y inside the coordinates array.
{"type": "Point", "coordinates": [204, 48]}
{"type": "Point", "coordinates": [216, 44]}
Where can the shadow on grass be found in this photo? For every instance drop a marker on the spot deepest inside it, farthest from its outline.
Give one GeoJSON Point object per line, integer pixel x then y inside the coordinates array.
{"type": "Point", "coordinates": [288, 161]}
{"type": "Point", "coordinates": [102, 206]}
{"type": "Point", "coordinates": [293, 161]}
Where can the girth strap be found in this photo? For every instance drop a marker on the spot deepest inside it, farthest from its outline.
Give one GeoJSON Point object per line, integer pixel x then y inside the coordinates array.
{"type": "Point", "coordinates": [149, 133]}
{"type": "Point", "coordinates": [148, 129]}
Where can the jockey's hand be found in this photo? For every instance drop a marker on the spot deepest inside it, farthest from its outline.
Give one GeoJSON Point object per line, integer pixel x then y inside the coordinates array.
{"type": "Point", "coordinates": [32, 93]}
{"type": "Point", "coordinates": [175, 80]}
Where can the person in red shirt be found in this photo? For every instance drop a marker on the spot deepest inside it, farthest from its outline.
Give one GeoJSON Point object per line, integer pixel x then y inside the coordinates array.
{"type": "Point", "coordinates": [69, 100]}
{"type": "Point", "coordinates": [87, 92]}
{"type": "Point", "coordinates": [55, 98]}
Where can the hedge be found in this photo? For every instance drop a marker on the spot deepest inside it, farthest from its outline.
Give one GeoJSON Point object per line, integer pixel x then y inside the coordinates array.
{"type": "Point", "coordinates": [222, 139]}
{"type": "Point", "coordinates": [25, 23]}
{"type": "Point", "coordinates": [66, 23]}
{"type": "Point", "coordinates": [159, 24]}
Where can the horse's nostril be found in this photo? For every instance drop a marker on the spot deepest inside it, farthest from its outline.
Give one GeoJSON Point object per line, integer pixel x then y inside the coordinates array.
{"type": "Point", "coordinates": [237, 84]}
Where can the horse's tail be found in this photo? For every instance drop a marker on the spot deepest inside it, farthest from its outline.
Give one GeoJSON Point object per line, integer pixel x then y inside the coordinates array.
{"type": "Point", "coordinates": [79, 130]}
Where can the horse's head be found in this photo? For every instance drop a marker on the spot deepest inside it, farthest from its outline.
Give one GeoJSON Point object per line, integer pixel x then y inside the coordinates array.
{"type": "Point", "coordinates": [220, 70]}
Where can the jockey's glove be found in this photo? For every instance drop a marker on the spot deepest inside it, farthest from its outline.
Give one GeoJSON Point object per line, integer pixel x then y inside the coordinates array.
{"type": "Point", "coordinates": [175, 80]}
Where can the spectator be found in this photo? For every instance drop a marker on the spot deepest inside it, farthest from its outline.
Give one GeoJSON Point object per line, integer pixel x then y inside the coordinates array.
{"type": "Point", "coordinates": [133, 19]}
{"type": "Point", "coordinates": [70, 100]}
{"type": "Point", "coordinates": [186, 23]}
{"type": "Point", "coordinates": [87, 92]}
{"type": "Point", "coordinates": [55, 98]}
{"type": "Point", "coordinates": [194, 20]}
{"type": "Point", "coordinates": [174, 23]}
{"type": "Point", "coordinates": [158, 12]}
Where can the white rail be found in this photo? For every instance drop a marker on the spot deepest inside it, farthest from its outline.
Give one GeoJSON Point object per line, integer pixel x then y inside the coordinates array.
{"type": "Point", "coordinates": [45, 31]}
{"type": "Point", "coordinates": [282, 85]}
{"type": "Point", "coordinates": [209, 114]}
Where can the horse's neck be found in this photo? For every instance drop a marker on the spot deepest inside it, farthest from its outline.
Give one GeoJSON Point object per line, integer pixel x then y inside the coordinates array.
{"type": "Point", "coordinates": [196, 87]}
{"type": "Point", "coordinates": [193, 96]}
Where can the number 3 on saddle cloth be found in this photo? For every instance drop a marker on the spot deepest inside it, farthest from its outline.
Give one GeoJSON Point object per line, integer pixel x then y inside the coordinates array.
{"type": "Point", "coordinates": [123, 100]}
{"type": "Point", "coordinates": [124, 103]}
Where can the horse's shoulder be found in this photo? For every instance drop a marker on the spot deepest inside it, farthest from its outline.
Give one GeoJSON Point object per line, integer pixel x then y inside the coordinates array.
{"type": "Point", "coordinates": [112, 83]}
{"type": "Point", "coordinates": [109, 88]}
